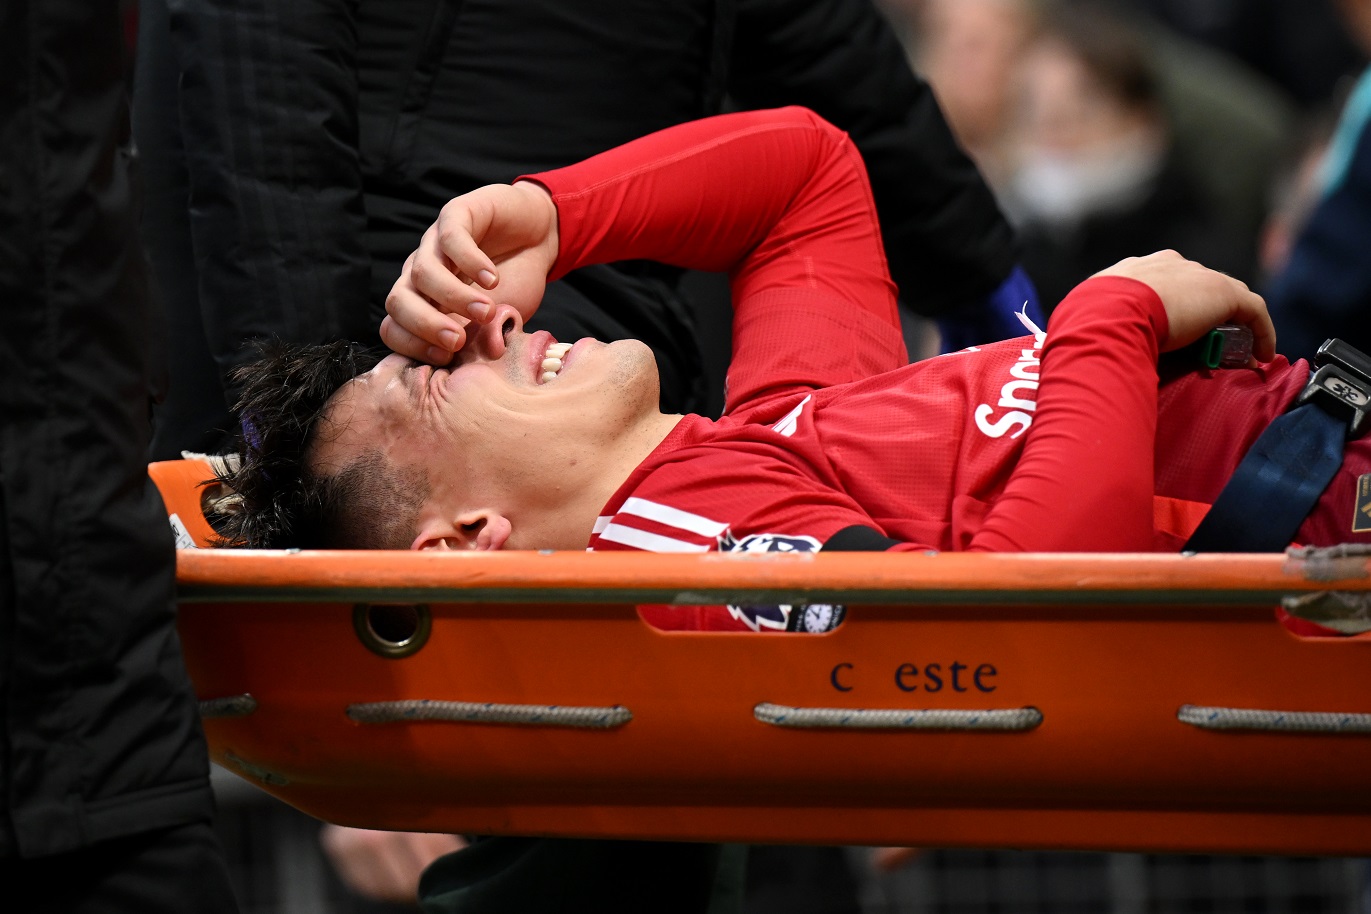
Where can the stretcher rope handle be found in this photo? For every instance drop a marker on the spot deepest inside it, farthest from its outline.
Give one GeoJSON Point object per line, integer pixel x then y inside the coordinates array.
{"type": "Point", "coordinates": [484, 712]}
{"type": "Point", "coordinates": [898, 718]}
{"type": "Point", "coordinates": [1208, 718]}
{"type": "Point", "coordinates": [228, 706]}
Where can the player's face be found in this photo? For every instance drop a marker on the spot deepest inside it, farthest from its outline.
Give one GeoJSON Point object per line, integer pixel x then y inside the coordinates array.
{"type": "Point", "coordinates": [508, 400]}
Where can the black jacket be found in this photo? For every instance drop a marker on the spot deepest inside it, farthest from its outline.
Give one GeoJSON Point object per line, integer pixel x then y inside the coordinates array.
{"type": "Point", "coordinates": [322, 136]}
{"type": "Point", "coordinates": [99, 736]}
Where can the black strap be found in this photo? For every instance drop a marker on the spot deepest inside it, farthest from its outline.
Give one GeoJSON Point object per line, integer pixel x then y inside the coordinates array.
{"type": "Point", "coordinates": [1276, 485]}
{"type": "Point", "coordinates": [1282, 476]}
{"type": "Point", "coordinates": [858, 538]}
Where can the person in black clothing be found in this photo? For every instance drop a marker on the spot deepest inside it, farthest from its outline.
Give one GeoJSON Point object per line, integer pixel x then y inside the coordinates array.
{"type": "Point", "coordinates": [315, 141]}
{"type": "Point", "coordinates": [105, 802]}
{"type": "Point", "coordinates": [297, 151]}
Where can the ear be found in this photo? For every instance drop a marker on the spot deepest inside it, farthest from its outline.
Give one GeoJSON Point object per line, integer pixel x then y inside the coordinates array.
{"type": "Point", "coordinates": [483, 530]}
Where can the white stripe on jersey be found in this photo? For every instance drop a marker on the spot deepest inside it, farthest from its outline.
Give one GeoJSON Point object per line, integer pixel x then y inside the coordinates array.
{"type": "Point", "coordinates": [1038, 333]}
{"type": "Point", "coordinates": [649, 542]}
{"type": "Point", "coordinates": [602, 522]}
{"type": "Point", "coordinates": [668, 516]}
{"type": "Point", "coordinates": [791, 420]}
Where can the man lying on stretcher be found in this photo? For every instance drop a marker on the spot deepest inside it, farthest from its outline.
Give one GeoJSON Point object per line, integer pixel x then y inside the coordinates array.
{"type": "Point", "coordinates": [1068, 440]}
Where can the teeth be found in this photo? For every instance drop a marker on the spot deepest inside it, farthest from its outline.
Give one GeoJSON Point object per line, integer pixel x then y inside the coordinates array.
{"type": "Point", "coordinates": [552, 361]}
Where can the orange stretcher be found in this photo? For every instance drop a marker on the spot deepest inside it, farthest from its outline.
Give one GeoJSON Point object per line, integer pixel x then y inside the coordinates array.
{"type": "Point", "coordinates": [1111, 702]}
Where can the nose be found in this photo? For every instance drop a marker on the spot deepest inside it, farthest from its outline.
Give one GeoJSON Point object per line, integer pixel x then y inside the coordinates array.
{"type": "Point", "coordinates": [490, 341]}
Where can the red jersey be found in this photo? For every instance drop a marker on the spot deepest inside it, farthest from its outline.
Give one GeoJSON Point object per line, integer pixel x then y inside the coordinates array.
{"type": "Point", "coordinates": [1063, 441]}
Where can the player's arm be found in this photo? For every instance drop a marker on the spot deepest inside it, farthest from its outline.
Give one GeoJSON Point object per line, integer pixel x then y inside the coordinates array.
{"type": "Point", "coordinates": [778, 199]}
{"type": "Point", "coordinates": [1086, 478]}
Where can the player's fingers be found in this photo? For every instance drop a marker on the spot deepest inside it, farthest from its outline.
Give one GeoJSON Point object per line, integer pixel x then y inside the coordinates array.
{"type": "Point", "coordinates": [1258, 318]}
{"type": "Point", "coordinates": [442, 283]}
{"type": "Point", "coordinates": [420, 316]}
{"type": "Point", "coordinates": [456, 233]}
{"type": "Point", "coordinates": [1249, 309]}
{"type": "Point", "coordinates": [399, 339]}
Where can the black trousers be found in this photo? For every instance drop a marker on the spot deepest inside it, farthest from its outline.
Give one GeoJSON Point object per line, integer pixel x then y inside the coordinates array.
{"type": "Point", "coordinates": [172, 871]}
{"type": "Point", "coordinates": [569, 876]}
{"type": "Point", "coordinates": [102, 760]}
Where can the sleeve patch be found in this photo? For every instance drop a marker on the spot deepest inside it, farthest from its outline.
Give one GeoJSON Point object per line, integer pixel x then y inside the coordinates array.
{"type": "Point", "coordinates": [781, 617]}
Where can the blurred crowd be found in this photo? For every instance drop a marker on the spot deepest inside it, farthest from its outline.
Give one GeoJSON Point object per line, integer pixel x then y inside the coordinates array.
{"type": "Point", "coordinates": [1109, 129]}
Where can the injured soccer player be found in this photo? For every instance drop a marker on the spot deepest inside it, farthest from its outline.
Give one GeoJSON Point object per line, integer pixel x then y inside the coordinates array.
{"type": "Point", "coordinates": [1102, 433]}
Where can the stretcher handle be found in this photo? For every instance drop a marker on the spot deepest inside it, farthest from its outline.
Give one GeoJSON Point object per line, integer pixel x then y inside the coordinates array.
{"type": "Point", "coordinates": [1211, 718]}
{"type": "Point", "coordinates": [229, 706]}
{"type": "Point", "coordinates": [1003, 719]}
{"type": "Point", "coordinates": [486, 712]}
{"type": "Point", "coordinates": [1029, 579]}
{"type": "Point", "coordinates": [897, 718]}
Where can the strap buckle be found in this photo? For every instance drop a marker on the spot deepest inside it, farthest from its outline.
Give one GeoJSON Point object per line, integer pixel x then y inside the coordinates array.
{"type": "Point", "coordinates": [1341, 385]}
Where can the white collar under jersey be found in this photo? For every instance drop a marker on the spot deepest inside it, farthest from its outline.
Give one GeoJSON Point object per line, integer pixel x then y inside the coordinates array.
{"type": "Point", "coordinates": [1038, 333]}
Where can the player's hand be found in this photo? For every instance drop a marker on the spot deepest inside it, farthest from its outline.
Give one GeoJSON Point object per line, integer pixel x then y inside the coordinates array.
{"type": "Point", "coordinates": [384, 865]}
{"type": "Point", "coordinates": [492, 246]}
{"type": "Point", "coordinates": [1198, 299]}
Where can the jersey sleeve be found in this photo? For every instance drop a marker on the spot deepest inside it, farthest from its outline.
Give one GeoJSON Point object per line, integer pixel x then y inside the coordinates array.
{"type": "Point", "coordinates": [948, 243]}
{"type": "Point", "coordinates": [778, 199]}
{"type": "Point", "coordinates": [1085, 481]}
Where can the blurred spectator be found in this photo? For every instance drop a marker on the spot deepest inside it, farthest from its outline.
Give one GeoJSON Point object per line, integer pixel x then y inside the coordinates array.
{"type": "Point", "coordinates": [1230, 128]}
{"type": "Point", "coordinates": [1295, 191]}
{"type": "Point", "coordinates": [1300, 45]}
{"type": "Point", "coordinates": [1226, 125]}
{"type": "Point", "coordinates": [970, 50]}
{"type": "Point", "coordinates": [1324, 286]}
{"type": "Point", "coordinates": [1096, 178]}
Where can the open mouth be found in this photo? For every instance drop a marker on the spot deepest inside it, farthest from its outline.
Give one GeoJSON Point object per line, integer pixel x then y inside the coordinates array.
{"type": "Point", "coordinates": [552, 361]}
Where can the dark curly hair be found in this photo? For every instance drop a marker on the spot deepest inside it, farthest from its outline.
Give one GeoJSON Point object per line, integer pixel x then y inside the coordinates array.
{"type": "Point", "coordinates": [277, 501]}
